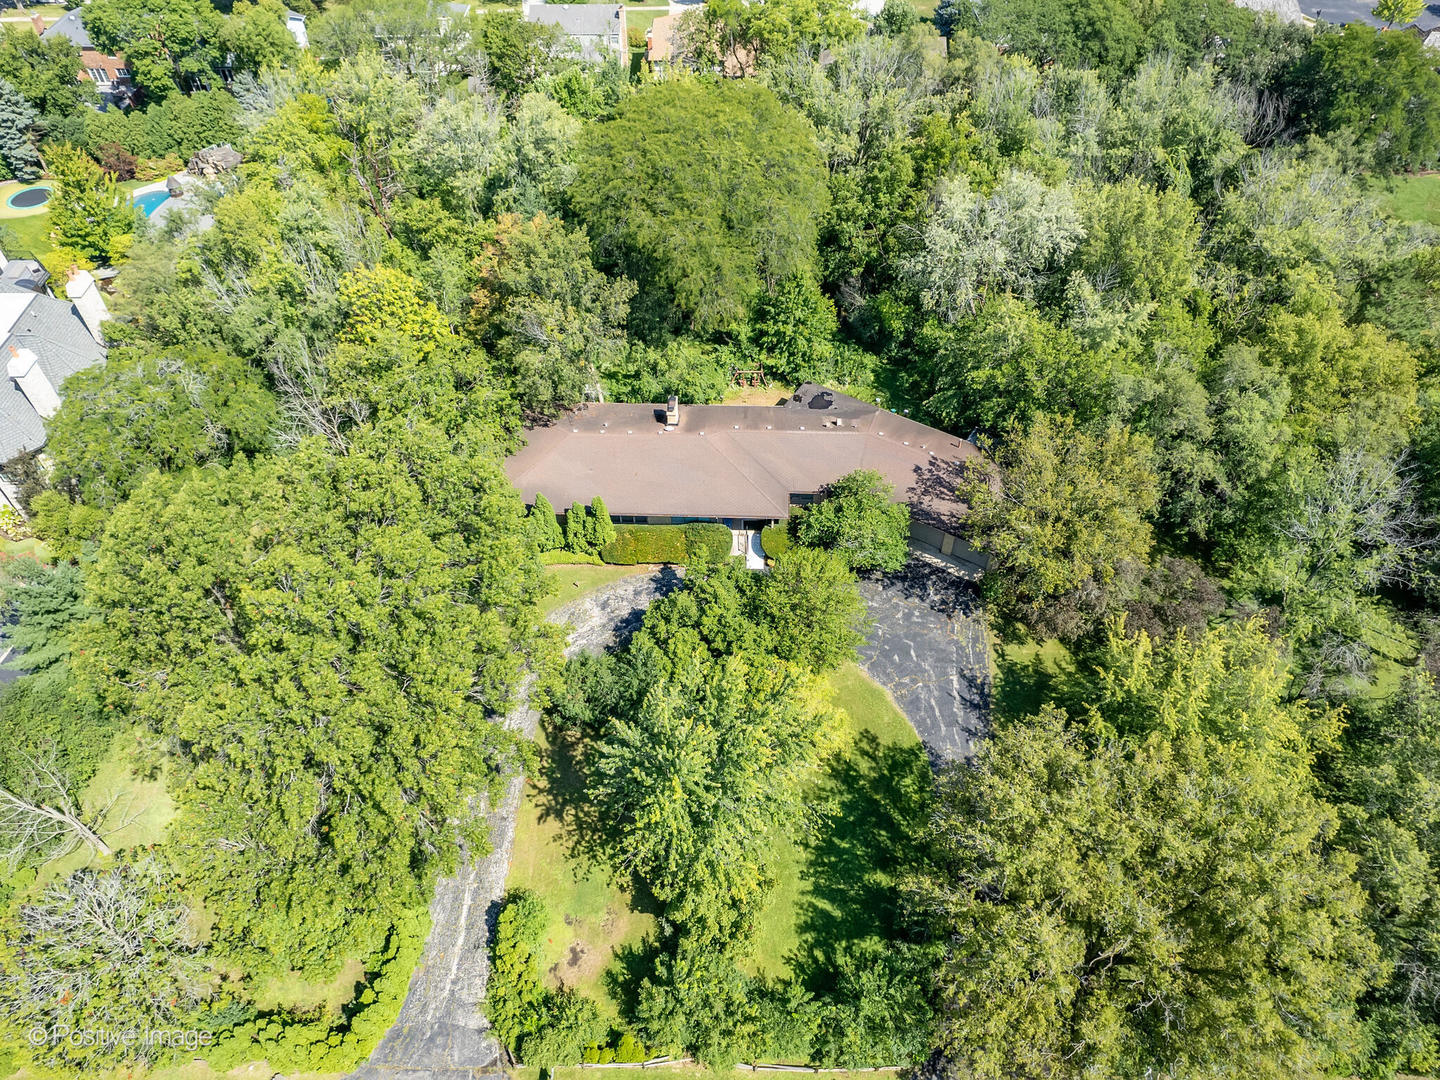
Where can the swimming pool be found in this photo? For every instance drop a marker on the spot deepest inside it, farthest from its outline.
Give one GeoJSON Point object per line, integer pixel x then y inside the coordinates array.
{"type": "Point", "coordinates": [151, 200]}
{"type": "Point", "coordinates": [28, 198]}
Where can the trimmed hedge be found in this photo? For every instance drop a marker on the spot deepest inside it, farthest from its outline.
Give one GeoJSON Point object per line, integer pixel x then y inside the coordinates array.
{"type": "Point", "coordinates": [635, 544]}
{"type": "Point", "coordinates": [709, 536]}
{"type": "Point", "coordinates": [775, 540]}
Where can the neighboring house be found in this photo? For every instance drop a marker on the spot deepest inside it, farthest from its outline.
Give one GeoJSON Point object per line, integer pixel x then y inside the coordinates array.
{"type": "Point", "coordinates": [43, 341]}
{"type": "Point", "coordinates": [745, 466]}
{"type": "Point", "coordinates": [295, 23]}
{"type": "Point", "coordinates": [663, 45]}
{"type": "Point", "coordinates": [109, 73]}
{"type": "Point", "coordinates": [599, 29]}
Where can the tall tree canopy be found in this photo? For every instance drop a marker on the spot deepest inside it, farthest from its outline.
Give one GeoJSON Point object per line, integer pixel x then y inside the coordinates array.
{"type": "Point", "coordinates": [326, 648]}
{"type": "Point", "coordinates": [706, 194]}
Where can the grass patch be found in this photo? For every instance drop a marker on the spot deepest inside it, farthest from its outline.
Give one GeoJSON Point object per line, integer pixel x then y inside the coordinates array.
{"type": "Point", "coordinates": [300, 996]}
{"type": "Point", "coordinates": [1410, 198]}
{"type": "Point", "coordinates": [774, 394]}
{"type": "Point", "coordinates": [835, 873]}
{"type": "Point", "coordinates": [591, 916]}
{"type": "Point", "coordinates": [1028, 674]}
{"type": "Point", "coordinates": [572, 581]}
{"type": "Point", "coordinates": [31, 236]}
{"type": "Point", "coordinates": [141, 807]}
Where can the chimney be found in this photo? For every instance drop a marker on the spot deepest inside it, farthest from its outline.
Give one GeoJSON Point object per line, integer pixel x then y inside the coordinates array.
{"type": "Point", "coordinates": [672, 411]}
{"type": "Point", "coordinates": [82, 291]}
{"type": "Point", "coordinates": [24, 368]}
{"type": "Point", "coordinates": [38, 23]}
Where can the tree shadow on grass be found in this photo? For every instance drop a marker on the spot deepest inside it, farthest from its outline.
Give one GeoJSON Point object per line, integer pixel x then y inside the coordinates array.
{"type": "Point", "coordinates": [1027, 680]}
{"type": "Point", "coordinates": [875, 800]}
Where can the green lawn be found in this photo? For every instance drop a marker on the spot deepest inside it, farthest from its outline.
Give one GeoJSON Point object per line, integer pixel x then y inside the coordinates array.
{"type": "Point", "coordinates": [1028, 674]}
{"type": "Point", "coordinates": [1410, 198]}
{"type": "Point", "coordinates": [31, 236]}
{"type": "Point", "coordinates": [131, 781]}
{"type": "Point", "coordinates": [574, 581]}
{"type": "Point", "coordinates": [835, 871]}
{"type": "Point", "coordinates": [591, 916]}
{"type": "Point", "coordinates": [305, 997]}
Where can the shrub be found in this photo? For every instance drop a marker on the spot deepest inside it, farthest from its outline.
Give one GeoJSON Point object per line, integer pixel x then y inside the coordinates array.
{"type": "Point", "coordinates": [544, 525]}
{"type": "Point", "coordinates": [600, 528]}
{"type": "Point", "coordinates": [577, 530]}
{"type": "Point", "coordinates": [116, 160]}
{"type": "Point", "coordinates": [667, 543]}
{"type": "Point", "coordinates": [636, 36]}
{"type": "Point", "coordinates": [775, 539]}
{"type": "Point", "coordinates": [707, 537]}
{"type": "Point", "coordinates": [515, 998]}
{"type": "Point", "coordinates": [325, 1044]}
{"type": "Point", "coordinates": [646, 544]}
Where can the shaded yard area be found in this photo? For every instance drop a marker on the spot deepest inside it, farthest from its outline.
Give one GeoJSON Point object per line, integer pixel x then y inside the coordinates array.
{"type": "Point", "coordinates": [835, 868]}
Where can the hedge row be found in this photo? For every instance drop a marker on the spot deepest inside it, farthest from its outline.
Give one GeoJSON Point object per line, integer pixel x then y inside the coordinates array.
{"type": "Point", "coordinates": [666, 543]}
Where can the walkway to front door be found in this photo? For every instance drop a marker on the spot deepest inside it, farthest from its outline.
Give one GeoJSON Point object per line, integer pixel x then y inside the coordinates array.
{"type": "Point", "coordinates": [747, 542]}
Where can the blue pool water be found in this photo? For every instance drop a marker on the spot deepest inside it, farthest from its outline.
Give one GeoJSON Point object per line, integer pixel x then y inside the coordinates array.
{"type": "Point", "coordinates": [151, 200]}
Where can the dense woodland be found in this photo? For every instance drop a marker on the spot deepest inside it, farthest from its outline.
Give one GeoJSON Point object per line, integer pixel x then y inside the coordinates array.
{"type": "Point", "coordinates": [1134, 249]}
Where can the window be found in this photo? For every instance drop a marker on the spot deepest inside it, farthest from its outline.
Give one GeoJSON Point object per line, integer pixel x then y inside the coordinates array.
{"type": "Point", "coordinates": [802, 498]}
{"type": "Point", "coordinates": [122, 73]}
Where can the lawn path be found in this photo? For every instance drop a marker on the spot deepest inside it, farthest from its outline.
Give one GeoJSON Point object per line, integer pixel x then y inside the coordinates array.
{"type": "Point", "coordinates": [440, 1033]}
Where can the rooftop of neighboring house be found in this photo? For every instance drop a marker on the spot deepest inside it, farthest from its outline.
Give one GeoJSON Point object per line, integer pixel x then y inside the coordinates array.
{"type": "Point", "coordinates": [579, 20]}
{"type": "Point", "coordinates": [55, 333]}
{"type": "Point", "coordinates": [69, 26]}
{"type": "Point", "coordinates": [738, 461]}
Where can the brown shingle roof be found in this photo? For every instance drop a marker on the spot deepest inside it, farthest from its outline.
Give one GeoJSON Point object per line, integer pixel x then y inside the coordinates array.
{"type": "Point", "coordinates": [738, 461]}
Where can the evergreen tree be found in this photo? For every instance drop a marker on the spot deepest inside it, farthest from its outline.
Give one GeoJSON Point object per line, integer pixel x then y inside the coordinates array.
{"type": "Point", "coordinates": [602, 529]}
{"type": "Point", "coordinates": [545, 525]}
{"type": "Point", "coordinates": [577, 535]}
{"type": "Point", "coordinates": [16, 148]}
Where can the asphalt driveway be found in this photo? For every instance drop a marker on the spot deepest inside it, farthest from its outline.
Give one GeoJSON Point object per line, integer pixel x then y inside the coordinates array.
{"type": "Point", "coordinates": [928, 647]}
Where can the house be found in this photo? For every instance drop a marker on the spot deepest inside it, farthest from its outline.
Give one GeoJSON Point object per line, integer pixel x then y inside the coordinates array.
{"type": "Point", "coordinates": [43, 341]}
{"type": "Point", "coordinates": [295, 23]}
{"type": "Point", "coordinates": [746, 466]}
{"type": "Point", "coordinates": [663, 44]}
{"type": "Point", "coordinates": [599, 29]}
{"type": "Point", "coordinates": [109, 73]}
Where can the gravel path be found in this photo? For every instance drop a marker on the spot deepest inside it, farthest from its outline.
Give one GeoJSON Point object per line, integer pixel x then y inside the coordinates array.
{"type": "Point", "coordinates": [928, 647]}
{"type": "Point", "coordinates": [440, 1033]}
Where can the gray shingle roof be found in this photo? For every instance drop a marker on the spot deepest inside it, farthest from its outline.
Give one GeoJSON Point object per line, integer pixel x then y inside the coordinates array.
{"type": "Point", "coordinates": [62, 345]}
{"type": "Point", "coordinates": [70, 26]}
{"type": "Point", "coordinates": [593, 25]}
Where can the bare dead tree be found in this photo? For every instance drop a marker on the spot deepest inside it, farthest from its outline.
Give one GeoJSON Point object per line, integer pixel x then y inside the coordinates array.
{"type": "Point", "coordinates": [115, 945]}
{"type": "Point", "coordinates": [48, 819]}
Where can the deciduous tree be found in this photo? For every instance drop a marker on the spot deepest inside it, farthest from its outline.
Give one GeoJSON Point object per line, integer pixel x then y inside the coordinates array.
{"type": "Point", "coordinates": [706, 194]}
